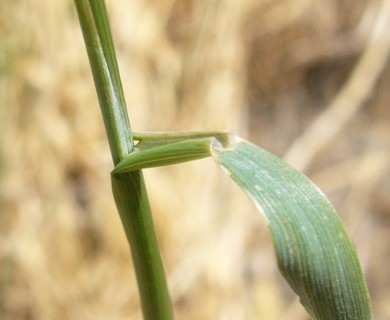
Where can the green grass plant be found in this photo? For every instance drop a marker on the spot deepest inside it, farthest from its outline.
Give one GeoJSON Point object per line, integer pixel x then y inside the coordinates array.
{"type": "Point", "coordinates": [314, 253]}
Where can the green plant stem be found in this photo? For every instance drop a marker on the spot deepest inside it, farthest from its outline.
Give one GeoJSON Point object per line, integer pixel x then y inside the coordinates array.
{"type": "Point", "coordinates": [137, 220]}
{"type": "Point", "coordinates": [98, 40]}
{"type": "Point", "coordinates": [128, 188]}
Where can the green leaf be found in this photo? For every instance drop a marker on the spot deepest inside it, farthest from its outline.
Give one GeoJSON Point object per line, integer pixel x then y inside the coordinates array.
{"type": "Point", "coordinates": [314, 253]}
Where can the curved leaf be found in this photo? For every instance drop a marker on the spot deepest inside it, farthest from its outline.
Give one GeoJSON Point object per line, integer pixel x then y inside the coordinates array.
{"type": "Point", "coordinates": [314, 252]}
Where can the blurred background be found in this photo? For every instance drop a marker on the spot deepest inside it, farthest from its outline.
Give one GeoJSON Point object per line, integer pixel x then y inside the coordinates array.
{"type": "Point", "coordinates": [306, 79]}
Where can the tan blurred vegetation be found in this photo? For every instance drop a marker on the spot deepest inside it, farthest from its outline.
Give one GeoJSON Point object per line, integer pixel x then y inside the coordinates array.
{"type": "Point", "coordinates": [265, 69]}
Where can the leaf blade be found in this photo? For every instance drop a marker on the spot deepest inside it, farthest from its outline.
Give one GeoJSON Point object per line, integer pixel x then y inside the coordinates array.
{"type": "Point", "coordinates": [320, 264]}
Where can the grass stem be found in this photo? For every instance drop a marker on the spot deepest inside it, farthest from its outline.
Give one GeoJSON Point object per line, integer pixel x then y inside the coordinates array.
{"type": "Point", "coordinates": [128, 188]}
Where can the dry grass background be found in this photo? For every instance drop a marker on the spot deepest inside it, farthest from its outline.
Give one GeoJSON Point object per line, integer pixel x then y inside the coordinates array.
{"type": "Point", "coordinates": [264, 69]}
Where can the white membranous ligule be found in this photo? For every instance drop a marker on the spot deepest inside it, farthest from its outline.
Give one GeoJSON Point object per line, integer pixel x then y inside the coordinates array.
{"type": "Point", "coordinates": [227, 142]}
